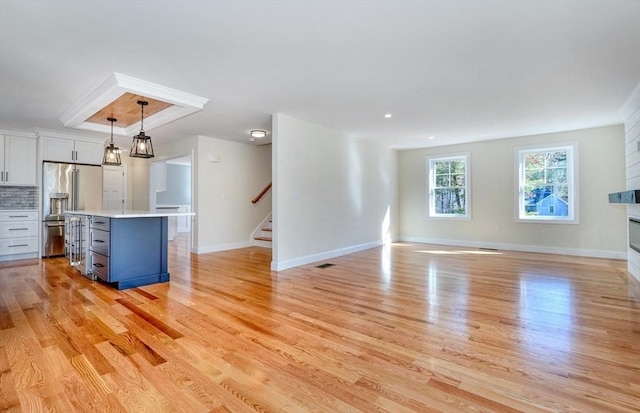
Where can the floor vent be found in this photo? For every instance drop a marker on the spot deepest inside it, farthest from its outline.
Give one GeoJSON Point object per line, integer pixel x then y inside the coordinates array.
{"type": "Point", "coordinates": [326, 265]}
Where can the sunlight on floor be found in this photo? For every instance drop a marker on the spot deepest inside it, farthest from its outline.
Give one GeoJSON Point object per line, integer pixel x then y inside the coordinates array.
{"type": "Point", "coordinates": [475, 252]}
{"type": "Point", "coordinates": [547, 314]}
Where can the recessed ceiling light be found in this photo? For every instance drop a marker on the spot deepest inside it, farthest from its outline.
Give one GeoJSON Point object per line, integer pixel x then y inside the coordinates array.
{"type": "Point", "coordinates": [388, 115]}
{"type": "Point", "coordinates": [257, 133]}
{"type": "Point", "coordinates": [431, 137]}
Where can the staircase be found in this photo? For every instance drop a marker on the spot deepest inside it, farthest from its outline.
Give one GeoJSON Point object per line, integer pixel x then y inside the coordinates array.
{"type": "Point", "coordinates": [262, 236]}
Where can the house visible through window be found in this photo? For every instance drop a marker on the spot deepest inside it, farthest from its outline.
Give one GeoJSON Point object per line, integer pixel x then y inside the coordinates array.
{"type": "Point", "coordinates": [448, 187]}
{"type": "Point", "coordinates": [546, 184]}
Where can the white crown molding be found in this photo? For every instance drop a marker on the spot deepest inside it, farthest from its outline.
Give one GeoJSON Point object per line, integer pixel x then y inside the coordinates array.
{"type": "Point", "coordinates": [39, 132]}
{"type": "Point", "coordinates": [17, 132]}
{"type": "Point", "coordinates": [117, 85]}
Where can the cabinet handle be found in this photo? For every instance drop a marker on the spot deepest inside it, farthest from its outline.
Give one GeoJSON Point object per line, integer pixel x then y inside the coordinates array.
{"type": "Point", "coordinates": [18, 216]}
{"type": "Point", "coordinates": [98, 265]}
{"type": "Point", "coordinates": [98, 240]}
{"type": "Point", "coordinates": [1, 176]}
{"type": "Point", "coordinates": [18, 229]}
{"type": "Point", "coordinates": [18, 245]}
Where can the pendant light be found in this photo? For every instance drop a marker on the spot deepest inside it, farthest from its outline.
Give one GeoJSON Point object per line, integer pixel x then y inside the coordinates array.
{"type": "Point", "coordinates": [141, 146]}
{"type": "Point", "coordinates": [111, 152]}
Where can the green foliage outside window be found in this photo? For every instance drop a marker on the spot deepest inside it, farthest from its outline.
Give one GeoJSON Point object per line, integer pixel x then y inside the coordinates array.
{"type": "Point", "coordinates": [545, 183]}
{"type": "Point", "coordinates": [449, 187]}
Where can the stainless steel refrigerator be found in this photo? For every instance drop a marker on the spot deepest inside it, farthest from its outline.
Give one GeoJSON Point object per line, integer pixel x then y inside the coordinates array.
{"type": "Point", "coordinates": [66, 187]}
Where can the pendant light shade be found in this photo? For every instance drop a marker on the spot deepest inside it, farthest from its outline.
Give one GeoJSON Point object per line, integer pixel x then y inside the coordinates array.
{"type": "Point", "coordinates": [111, 152]}
{"type": "Point", "coordinates": [141, 146]}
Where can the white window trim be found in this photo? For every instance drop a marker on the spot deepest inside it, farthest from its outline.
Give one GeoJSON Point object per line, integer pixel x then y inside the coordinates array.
{"type": "Point", "coordinates": [572, 179]}
{"type": "Point", "coordinates": [467, 179]}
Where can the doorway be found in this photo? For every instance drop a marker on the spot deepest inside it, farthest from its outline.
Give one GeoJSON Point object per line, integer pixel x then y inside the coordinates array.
{"type": "Point", "coordinates": [114, 188]}
{"type": "Point", "coordinates": [171, 191]}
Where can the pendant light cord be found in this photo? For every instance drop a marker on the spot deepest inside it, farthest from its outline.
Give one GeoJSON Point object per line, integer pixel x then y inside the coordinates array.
{"type": "Point", "coordinates": [112, 120]}
{"type": "Point", "coordinates": [142, 117]}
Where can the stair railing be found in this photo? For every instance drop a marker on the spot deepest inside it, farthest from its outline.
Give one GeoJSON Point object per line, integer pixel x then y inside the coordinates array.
{"type": "Point", "coordinates": [261, 194]}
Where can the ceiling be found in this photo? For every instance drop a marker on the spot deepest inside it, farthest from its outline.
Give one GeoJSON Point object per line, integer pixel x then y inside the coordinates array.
{"type": "Point", "coordinates": [448, 71]}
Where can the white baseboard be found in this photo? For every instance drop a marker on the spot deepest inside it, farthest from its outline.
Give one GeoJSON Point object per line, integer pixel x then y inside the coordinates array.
{"type": "Point", "coordinates": [222, 247]}
{"type": "Point", "coordinates": [296, 262]}
{"type": "Point", "coordinates": [632, 266]}
{"type": "Point", "coordinates": [618, 255]}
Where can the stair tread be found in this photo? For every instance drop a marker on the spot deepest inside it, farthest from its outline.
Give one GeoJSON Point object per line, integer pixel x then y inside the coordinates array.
{"type": "Point", "coordinates": [267, 229]}
{"type": "Point", "coordinates": [263, 238]}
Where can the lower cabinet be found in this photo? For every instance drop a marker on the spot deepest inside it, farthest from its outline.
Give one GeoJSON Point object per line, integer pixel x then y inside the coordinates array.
{"type": "Point", "coordinates": [18, 234]}
{"type": "Point", "coordinates": [129, 252]}
{"type": "Point", "coordinates": [99, 243]}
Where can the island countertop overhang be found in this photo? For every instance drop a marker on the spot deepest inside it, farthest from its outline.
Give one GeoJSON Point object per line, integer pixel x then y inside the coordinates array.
{"type": "Point", "coordinates": [130, 213]}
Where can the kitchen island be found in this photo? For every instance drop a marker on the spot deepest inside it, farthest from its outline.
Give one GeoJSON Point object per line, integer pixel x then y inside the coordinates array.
{"type": "Point", "coordinates": [125, 249]}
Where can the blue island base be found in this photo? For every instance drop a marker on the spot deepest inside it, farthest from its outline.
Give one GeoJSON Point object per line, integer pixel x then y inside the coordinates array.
{"type": "Point", "coordinates": [139, 281]}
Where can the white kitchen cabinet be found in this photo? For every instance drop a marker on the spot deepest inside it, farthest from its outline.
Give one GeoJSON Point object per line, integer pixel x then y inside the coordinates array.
{"type": "Point", "coordinates": [89, 152]}
{"type": "Point", "coordinates": [72, 150]}
{"type": "Point", "coordinates": [18, 234]}
{"type": "Point", "coordinates": [18, 160]}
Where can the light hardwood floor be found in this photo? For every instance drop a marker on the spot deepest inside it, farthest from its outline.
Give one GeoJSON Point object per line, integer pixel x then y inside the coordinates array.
{"type": "Point", "coordinates": [410, 327]}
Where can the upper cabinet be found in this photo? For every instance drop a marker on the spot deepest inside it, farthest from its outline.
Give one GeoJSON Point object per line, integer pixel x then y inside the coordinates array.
{"type": "Point", "coordinates": [71, 149]}
{"type": "Point", "coordinates": [18, 160]}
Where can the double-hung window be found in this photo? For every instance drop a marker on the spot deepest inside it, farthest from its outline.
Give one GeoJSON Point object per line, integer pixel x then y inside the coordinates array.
{"type": "Point", "coordinates": [449, 187]}
{"type": "Point", "coordinates": [547, 184]}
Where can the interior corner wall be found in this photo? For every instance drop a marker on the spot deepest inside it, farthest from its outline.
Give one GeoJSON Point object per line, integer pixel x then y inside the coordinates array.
{"type": "Point", "coordinates": [228, 176]}
{"type": "Point", "coordinates": [137, 183]}
{"type": "Point", "coordinates": [602, 226]}
{"type": "Point", "coordinates": [631, 112]}
{"type": "Point", "coordinates": [333, 194]}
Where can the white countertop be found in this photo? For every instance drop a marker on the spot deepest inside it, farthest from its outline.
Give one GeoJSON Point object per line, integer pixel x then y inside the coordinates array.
{"type": "Point", "coordinates": [130, 213]}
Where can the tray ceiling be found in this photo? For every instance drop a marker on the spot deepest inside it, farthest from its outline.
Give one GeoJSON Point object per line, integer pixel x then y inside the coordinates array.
{"type": "Point", "coordinates": [118, 97]}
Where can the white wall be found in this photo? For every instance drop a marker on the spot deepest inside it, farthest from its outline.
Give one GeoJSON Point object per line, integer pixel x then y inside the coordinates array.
{"type": "Point", "coordinates": [178, 186]}
{"type": "Point", "coordinates": [137, 176]}
{"type": "Point", "coordinates": [332, 193]}
{"type": "Point", "coordinates": [602, 225]}
{"type": "Point", "coordinates": [631, 113]}
{"type": "Point", "coordinates": [137, 182]}
{"type": "Point", "coordinates": [228, 176]}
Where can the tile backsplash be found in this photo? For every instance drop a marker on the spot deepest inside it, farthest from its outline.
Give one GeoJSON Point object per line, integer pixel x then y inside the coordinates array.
{"type": "Point", "coordinates": [18, 197]}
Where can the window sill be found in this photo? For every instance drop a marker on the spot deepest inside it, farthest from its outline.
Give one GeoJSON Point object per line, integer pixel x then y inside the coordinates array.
{"type": "Point", "coordinates": [546, 221]}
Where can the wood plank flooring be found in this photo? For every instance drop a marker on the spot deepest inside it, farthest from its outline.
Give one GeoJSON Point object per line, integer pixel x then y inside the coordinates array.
{"type": "Point", "coordinates": [404, 328]}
